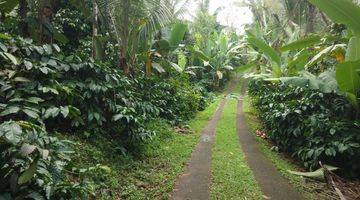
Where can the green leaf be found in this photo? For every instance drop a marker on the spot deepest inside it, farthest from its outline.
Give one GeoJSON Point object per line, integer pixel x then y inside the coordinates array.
{"type": "Point", "coordinates": [158, 67]}
{"type": "Point", "coordinates": [319, 56]}
{"type": "Point", "coordinates": [27, 149]}
{"type": "Point", "coordinates": [302, 43]}
{"type": "Point", "coordinates": [21, 79]}
{"type": "Point", "coordinates": [30, 113]}
{"type": "Point", "coordinates": [162, 47]}
{"type": "Point", "coordinates": [176, 67]}
{"type": "Point", "coordinates": [10, 110]}
{"type": "Point", "coordinates": [29, 173]}
{"type": "Point", "coordinates": [12, 132]}
{"type": "Point", "coordinates": [117, 117]}
{"type": "Point", "coordinates": [7, 6]}
{"type": "Point", "coordinates": [182, 60]}
{"type": "Point", "coordinates": [64, 111]}
{"type": "Point", "coordinates": [56, 47]}
{"type": "Point", "coordinates": [340, 11]}
{"type": "Point", "coordinates": [28, 65]}
{"type": "Point", "coordinates": [246, 67]}
{"type": "Point", "coordinates": [347, 77]}
{"type": "Point", "coordinates": [48, 49]}
{"type": "Point", "coordinates": [199, 54]}
{"type": "Point", "coordinates": [177, 35]}
{"type": "Point", "coordinates": [13, 59]}
{"type": "Point", "coordinates": [35, 100]}
{"type": "Point", "coordinates": [270, 53]}
{"type": "Point", "coordinates": [51, 112]}
{"type": "Point", "coordinates": [60, 37]}
{"type": "Point", "coordinates": [353, 51]}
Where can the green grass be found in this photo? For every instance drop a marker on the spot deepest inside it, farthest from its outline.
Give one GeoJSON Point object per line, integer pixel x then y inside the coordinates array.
{"type": "Point", "coordinates": [280, 162]}
{"type": "Point", "coordinates": [203, 117]}
{"type": "Point", "coordinates": [231, 176]}
{"type": "Point", "coordinates": [149, 175]}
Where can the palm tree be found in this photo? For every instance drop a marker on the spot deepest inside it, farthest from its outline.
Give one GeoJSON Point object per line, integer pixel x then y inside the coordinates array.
{"type": "Point", "coordinates": [132, 22]}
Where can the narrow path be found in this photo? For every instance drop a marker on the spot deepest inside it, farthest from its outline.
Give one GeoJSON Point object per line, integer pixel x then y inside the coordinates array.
{"type": "Point", "coordinates": [195, 182]}
{"type": "Point", "coordinates": [272, 184]}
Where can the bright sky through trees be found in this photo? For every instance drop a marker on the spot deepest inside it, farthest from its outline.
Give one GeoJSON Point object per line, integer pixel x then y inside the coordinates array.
{"type": "Point", "coordinates": [229, 15]}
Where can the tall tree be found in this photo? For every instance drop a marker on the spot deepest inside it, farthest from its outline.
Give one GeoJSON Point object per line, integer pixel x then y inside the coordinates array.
{"type": "Point", "coordinates": [133, 21]}
{"type": "Point", "coordinates": [95, 28]}
{"type": "Point", "coordinates": [23, 25]}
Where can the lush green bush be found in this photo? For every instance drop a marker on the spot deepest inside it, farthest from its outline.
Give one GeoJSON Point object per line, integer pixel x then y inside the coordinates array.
{"type": "Point", "coordinates": [44, 91]}
{"type": "Point", "coordinates": [311, 125]}
{"type": "Point", "coordinates": [33, 164]}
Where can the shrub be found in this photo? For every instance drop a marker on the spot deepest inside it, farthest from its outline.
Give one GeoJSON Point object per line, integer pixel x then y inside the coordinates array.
{"type": "Point", "coordinates": [67, 93]}
{"type": "Point", "coordinates": [310, 125]}
{"type": "Point", "coordinates": [33, 163]}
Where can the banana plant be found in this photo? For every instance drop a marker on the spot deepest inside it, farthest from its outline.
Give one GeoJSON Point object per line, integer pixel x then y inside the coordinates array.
{"type": "Point", "coordinates": [219, 58]}
{"type": "Point", "coordinates": [348, 13]}
{"type": "Point", "coordinates": [282, 63]}
{"type": "Point", "coordinates": [163, 49]}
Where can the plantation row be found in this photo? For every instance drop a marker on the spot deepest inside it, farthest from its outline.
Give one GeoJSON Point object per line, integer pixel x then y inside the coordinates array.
{"type": "Point", "coordinates": [84, 70]}
{"type": "Point", "coordinates": [306, 88]}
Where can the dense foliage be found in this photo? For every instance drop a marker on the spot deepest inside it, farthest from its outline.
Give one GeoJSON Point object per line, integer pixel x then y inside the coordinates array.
{"type": "Point", "coordinates": [306, 85]}
{"type": "Point", "coordinates": [91, 68]}
{"type": "Point", "coordinates": [310, 125]}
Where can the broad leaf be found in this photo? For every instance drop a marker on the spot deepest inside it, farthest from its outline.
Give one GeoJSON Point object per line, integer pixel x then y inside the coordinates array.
{"type": "Point", "coordinates": [10, 110]}
{"type": "Point", "coordinates": [302, 43]}
{"type": "Point", "coordinates": [158, 67]}
{"type": "Point", "coordinates": [177, 35]}
{"type": "Point", "coordinates": [7, 6]}
{"type": "Point", "coordinates": [29, 173]}
{"type": "Point", "coordinates": [325, 52]}
{"type": "Point", "coordinates": [340, 11]}
{"type": "Point", "coordinates": [347, 76]}
{"type": "Point", "coordinates": [271, 53]}
{"type": "Point", "coordinates": [12, 132]}
{"type": "Point", "coordinates": [27, 149]}
{"type": "Point", "coordinates": [353, 51]}
{"type": "Point", "coordinates": [31, 113]}
{"type": "Point", "coordinates": [176, 67]}
{"type": "Point", "coordinates": [246, 67]}
{"type": "Point", "coordinates": [11, 57]}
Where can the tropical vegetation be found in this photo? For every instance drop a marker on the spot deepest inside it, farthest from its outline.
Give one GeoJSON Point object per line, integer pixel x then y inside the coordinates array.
{"type": "Point", "coordinates": [91, 89]}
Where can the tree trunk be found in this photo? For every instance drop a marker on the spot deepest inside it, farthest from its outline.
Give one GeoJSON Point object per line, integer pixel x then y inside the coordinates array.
{"type": "Point", "coordinates": [95, 29]}
{"type": "Point", "coordinates": [310, 25]}
{"type": "Point", "coordinates": [2, 16]}
{"type": "Point", "coordinates": [125, 37]}
{"type": "Point", "coordinates": [148, 65]}
{"type": "Point", "coordinates": [23, 25]}
{"type": "Point", "coordinates": [46, 12]}
{"type": "Point", "coordinates": [325, 19]}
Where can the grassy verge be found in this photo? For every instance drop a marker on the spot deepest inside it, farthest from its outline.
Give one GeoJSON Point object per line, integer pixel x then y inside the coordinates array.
{"type": "Point", "coordinates": [149, 176]}
{"type": "Point", "coordinates": [231, 176]}
{"type": "Point", "coordinates": [279, 160]}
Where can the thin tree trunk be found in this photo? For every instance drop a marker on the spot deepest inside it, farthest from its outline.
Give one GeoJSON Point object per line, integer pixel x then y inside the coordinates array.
{"type": "Point", "coordinates": [310, 25]}
{"type": "Point", "coordinates": [23, 25]}
{"type": "Point", "coordinates": [123, 62]}
{"type": "Point", "coordinates": [2, 17]}
{"type": "Point", "coordinates": [95, 28]}
{"type": "Point", "coordinates": [325, 19]}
